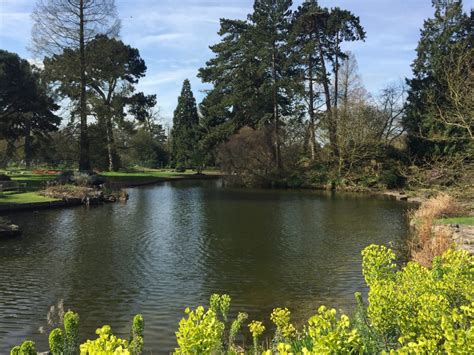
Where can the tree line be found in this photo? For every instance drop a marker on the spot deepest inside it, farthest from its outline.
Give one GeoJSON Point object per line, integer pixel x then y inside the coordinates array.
{"type": "Point", "coordinates": [88, 75]}
{"type": "Point", "coordinates": [286, 105]}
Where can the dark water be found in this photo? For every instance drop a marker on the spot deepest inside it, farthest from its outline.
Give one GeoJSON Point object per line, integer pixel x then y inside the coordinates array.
{"type": "Point", "coordinates": [174, 244]}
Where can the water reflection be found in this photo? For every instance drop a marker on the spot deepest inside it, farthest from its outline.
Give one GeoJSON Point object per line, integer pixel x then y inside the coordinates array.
{"type": "Point", "coordinates": [174, 244]}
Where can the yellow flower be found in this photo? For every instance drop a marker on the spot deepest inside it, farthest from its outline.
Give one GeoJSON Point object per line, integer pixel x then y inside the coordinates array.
{"type": "Point", "coordinates": [256, 328]}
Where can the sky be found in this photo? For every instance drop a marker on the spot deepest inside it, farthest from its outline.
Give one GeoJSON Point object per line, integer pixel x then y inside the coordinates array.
{"type": "Point", "coordinates": [173, 36]}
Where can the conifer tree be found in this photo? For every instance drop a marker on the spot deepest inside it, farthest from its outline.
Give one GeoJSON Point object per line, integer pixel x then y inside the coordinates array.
{"type": "Point", "coordinates": [271, 19]}
{"type": "Point", "coordinates": [234, 101]}
{"type": "Point", "coordinates": [251, 74]}
{"type": "Point", "coordinates": [185, 132]}
{"type": "Point", "coordinates": [318, 34]}
{"type": "Point", "coordinates": [445, 37]}
{"type": "Point", "coordinates": [26, 108]}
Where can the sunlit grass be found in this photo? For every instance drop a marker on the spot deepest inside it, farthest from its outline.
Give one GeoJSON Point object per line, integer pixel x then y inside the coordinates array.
{"type": "Point", "coordinates": [151, 173]}
{"type": "Point", "coordinates": [35, 182]}
{"type": "Point", "coordinates": [24, 197]}
{"type": "Point", "coordinates": [467, 220]}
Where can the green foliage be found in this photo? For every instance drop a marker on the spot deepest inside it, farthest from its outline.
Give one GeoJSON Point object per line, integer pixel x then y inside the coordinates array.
{"type": "Point", "coordinates": [220, 304]}
{"type": "Point", "coordinates": [391, 179]}
{"type": "Point", "coordinates": [71, 330]}
{"type": "Point", "coordinates": [420, 306]}
{"type": "Point", "coordinates": [332, 335]}
{"type": "Point", "coordinates": [204, 331]}
{"type": "Point", "coordinates": [136, 345]}
{"type": "Point", "coordinates": [138, 326]}
{"type": "Point", "coordinates": [200, 333]}
{"type": "Point", "coordinates": [185, 133]}
{"type": "Point", "coordinates": [377, 263]}
{"type": "Point", "coordinates": [235, 328]}
{"type": "Point", "coordinates": [224, 306]}
{"type": "Point", "coordinates": [105, 344]}
{"type": "Point", "coordinates": [284, 329]}
{"type": "Point", "coordinates": [431, 123]}
{"type": "Point", "coordinates": [56, 342]}
{"type": "Point", "coordinates": [26, 109]}
{"type": "Point", "coordinates": [412, 310]}
{"type": "Point", "coordinates": [27, 348]}
{"type": "Point", "coordinates": [256, 329]}
{"type": "Point", "coordinates": [108, 344]}
{"type": "Point", "coordinates": [147, 148]}
{"type": "Point", "coordinates": [137, 335]}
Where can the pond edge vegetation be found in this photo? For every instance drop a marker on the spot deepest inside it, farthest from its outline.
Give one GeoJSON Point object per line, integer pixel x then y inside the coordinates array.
{"type": "Point", "coordinates": [410, 309]}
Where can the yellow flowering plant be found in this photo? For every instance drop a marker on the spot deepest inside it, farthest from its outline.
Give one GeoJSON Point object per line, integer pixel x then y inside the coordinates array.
{"type": "Point", "coordinates": [256, 329]}
{"type": "Point", "coordinates": [105, 344]}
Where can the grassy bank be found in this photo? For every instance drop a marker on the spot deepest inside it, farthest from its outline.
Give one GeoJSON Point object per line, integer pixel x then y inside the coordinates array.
{"type": "Point", "coordinates": [24, 198]}
{"type": "Point", "coordinates": [36, 181]}
{"type": "Point", "coordinates": [150, 175]}
{"type": "Point", "coordinates": [433, 231]}
{"type": "Point", "coordinates": [467, 220]}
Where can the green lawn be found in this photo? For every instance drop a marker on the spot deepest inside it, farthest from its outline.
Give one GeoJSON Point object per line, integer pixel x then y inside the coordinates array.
{"type": "Point", "coordinates": [147, 174]}
{"type": "Point", "coordinates": [456, 220]}
{"type": "Point", "coordinates": [24, 197]}
{"type": "Point", "coordinates": [35, 182]}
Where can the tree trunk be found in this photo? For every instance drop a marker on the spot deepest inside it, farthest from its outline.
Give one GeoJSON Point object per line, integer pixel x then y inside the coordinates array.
{"type": "Point", "coordinates": [332, 127]}
{"type": "Point", "coordinates": [275, 112]}
{"type": "Point", "coordinates": [28, 142]}
{"type": "Point", "coordinates": [84, 159]}
{"type": "Point", "coordinates": [111, 145]}
{"type": "Point", "coordinates": [8, 153]}
{"type": "Point", "coordinates": [312, 128]}
{"type": "Point", "coordinates": [336, 74]}
{"type": "Point", "coordinates": [335, 111]}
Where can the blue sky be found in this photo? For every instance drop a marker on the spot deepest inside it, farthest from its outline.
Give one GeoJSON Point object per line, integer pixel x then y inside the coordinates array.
{"type": "Point", "coordinates": [174, 37]}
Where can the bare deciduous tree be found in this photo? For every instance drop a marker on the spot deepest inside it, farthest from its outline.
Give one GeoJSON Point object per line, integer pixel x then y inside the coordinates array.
{"type": "Point", "coordinates": [458, 75]}
{"type": "Point", "coordinates": [391, 105]}
{"type": "Point", "coordinates": [61, 24]}
{"type": "Point", "coordinates": [247, 157]}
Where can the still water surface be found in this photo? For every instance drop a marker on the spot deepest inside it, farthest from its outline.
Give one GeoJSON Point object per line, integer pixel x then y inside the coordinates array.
{"type": "Point", "coordinates": [172, 245]}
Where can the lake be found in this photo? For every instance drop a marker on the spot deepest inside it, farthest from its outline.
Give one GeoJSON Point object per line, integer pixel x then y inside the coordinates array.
{"type": "Point", "coordinates": [174, 244]}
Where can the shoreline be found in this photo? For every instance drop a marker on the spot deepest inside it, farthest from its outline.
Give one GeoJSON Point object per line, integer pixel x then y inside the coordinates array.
{"type": "Point", "coordinates": [6, 208]}
{"type": "Point", "coordinates": [131, 183]}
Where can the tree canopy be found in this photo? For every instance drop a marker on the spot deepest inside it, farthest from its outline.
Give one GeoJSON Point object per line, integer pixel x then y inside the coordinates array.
{"type": "Point", "coordinates": [440, 103]}
{"type": "Point", "coordinates": [25, 106]}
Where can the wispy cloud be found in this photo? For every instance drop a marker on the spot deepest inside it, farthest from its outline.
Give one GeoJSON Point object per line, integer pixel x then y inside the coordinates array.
{"type": "Point", "coordinates": [164, 39]}
{"type": "Point", "coordinates": [161, 77]}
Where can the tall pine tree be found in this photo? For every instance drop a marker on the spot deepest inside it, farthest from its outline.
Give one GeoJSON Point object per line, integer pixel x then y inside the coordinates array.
{"type": "Point", "coordinates": [251, 74]}
{"type": "Point", "coordinates": [185, 132]}
{"type": "Point", "coordinates": [318, 34]}
{"type": "Point", "coordinates": [272, 19]}
{"type": "Point", "coordinates": [234, 101]}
